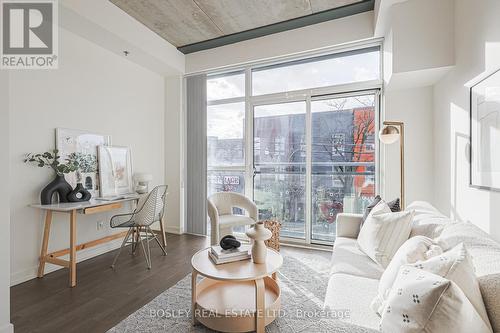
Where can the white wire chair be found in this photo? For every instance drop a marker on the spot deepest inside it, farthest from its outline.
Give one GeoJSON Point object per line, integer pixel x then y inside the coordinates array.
{"type": "Point", "coordinates": [139, 222]}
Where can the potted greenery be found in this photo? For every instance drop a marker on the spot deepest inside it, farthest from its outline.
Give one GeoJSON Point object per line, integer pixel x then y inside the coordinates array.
{"type": "Point", "coordinates": [87, 163]}
{"type": "Point", "coordinates": [50, 159]}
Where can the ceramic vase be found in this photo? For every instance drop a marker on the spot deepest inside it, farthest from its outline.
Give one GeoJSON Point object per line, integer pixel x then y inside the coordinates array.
{"type": "Point", "coordinates": [60, 186]}
{"type": "Point", "coordinates": [79, 194]}
{"type": "Point", "coordinates": [258, 233]}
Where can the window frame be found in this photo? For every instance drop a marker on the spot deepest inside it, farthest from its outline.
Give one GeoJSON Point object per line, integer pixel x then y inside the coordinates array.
{"type": "Point", "coordinates": [307, 95]}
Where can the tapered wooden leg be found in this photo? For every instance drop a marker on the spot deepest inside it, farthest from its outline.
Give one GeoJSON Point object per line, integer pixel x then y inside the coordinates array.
{"type": "Point", "coordinates": [260, 315]}
{"type": "Point", "coordinates": [45, 243]}
{"type": "Point", "coordinates": [194, 275]}
{"type": "Point", "coordinates": [72, 249]}
{"type": "Point", "coordinates": [163, 235]}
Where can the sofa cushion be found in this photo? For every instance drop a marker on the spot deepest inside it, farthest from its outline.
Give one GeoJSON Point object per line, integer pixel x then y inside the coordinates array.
{"type": "Point", "coordinates": [353, 293]}
{"type": "Point", "coordinates": [427, 220]}
{"type": "Point", "coordinates": [394, 205]}
{"type": "Point", "coordinates": [421, 301]}
{"type": "Point", "coordinates": [418, 248]}
{"type": "Point", "coordinates": [485, 254]}
{"type": "Point", "coordinates": [347, 258]}
{"type": "Point", "coordinates": [384, 232]}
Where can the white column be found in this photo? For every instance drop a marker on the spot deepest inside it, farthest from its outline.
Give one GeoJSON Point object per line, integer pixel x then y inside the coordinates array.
{"type": "Point", "coordinates": [173, 153]}
{"type": "Point", "coordinates": [5, 325]}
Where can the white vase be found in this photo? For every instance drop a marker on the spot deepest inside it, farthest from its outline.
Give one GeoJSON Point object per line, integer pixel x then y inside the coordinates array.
{"type": "Point", "coordinates": [258, 233]}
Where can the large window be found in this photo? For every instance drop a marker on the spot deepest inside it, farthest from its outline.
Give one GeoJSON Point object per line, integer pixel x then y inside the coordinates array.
{"type": "Point", "coordinates": [300, 140]}
{"type": "Point", "coordinates": [329, 70]}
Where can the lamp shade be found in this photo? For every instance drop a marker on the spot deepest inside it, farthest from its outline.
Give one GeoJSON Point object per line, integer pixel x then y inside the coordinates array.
{"type": "Point", "coordinates": [143, 177]}
{"type": "Point", "coordinates": [389, 134]}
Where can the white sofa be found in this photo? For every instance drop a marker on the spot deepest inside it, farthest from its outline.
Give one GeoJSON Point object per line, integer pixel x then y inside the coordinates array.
{"type": "Point", "coordinates": [354, 276]}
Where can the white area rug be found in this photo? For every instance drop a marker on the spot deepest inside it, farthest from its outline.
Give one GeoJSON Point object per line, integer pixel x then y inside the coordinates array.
{"type": "Point", "coordinates": [303, 280]}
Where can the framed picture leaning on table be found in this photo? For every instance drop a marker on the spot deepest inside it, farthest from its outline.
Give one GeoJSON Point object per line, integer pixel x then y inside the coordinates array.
{"type": "Point", "coordinates": [115, 170]}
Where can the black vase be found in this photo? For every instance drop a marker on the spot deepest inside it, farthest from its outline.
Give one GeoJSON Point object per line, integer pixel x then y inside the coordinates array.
{"type": "Point", "coordinates": [74, 196]}
{"type": "Point", "coordinates": [60, 186]}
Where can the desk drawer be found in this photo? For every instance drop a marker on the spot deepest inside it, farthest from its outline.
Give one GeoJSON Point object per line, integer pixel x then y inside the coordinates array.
{"type": "Point", "coordinates": [103, 208]}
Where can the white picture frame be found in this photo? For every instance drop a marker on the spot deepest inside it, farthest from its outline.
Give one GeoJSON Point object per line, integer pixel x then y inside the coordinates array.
{"type": "Point", "coordinates": [115, 171]}
{"type": "Point", "coordinates": [70, 141]}
{"type": "Point", "coordinates": [485, 133]}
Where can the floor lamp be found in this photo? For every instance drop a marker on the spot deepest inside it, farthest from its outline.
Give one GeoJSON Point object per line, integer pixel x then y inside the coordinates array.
{"type": "Point", "coordinates": [389, 134]}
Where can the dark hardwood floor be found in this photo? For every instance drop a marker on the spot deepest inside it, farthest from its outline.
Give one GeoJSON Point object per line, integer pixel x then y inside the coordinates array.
{"type": "Point", "coordinates": [103, 297]}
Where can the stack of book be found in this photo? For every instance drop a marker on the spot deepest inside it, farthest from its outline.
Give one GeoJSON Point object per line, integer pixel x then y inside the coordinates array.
{"type": "Point", "coordinates": [220, 256]}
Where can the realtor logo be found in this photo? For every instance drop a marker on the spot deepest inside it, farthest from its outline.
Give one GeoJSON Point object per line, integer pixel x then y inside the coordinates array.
{"type": "Point", "coordinates": [29, 34]}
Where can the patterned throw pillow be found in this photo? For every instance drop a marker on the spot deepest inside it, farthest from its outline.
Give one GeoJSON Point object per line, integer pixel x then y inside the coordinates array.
{"type": "Point", "coordinates": [421, 301]}
{"type": "Point", "coordinates": [418, 248]}
{"type": "Point", "coordinates": [394, 205]}
{"type": "Point", "coordinates": [456, 265]}
{"type": "Point", "coordinates": [384, 232]}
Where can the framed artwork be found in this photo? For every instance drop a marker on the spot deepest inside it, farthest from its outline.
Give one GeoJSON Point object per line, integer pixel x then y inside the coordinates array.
{"type": "Point", "coordinates": [485, 133]}
{"type": "Point", "coordinates": [115, 170]}
{"type": "Point", "coordinates": [82, 146]}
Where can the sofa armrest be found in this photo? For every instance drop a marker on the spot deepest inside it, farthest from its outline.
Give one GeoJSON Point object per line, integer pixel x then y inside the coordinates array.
{"type": "Point", "coordinates": [348, 225]}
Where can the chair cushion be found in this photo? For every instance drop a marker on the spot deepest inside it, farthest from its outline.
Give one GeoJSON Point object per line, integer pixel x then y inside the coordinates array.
{"type": "Point", "coordinates": [234, 220]}
{"type": "Point", "coordinates": [349, 259]}
{"type": "Point", "coordinates": [353, 293]}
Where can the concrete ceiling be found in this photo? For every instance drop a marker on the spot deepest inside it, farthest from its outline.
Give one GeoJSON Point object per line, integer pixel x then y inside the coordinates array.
{"type": "Point", "coordinates": [187, 22]}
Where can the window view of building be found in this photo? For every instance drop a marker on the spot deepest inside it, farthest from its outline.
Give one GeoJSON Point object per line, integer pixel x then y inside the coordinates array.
{"type": "Point", "coordinates": [311, 158]}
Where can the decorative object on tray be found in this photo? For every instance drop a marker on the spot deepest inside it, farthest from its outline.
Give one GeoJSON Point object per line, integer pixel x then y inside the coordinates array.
{"type": "Point", "coordinates": [51, 159]}
{"type": "Point", "coordinates": [229, 242]}
{"type": "Point", "coordinates": [81, 146]}
{"type": "Point", "coordinates": [115, 170]}
{"type": "Point", "coordinates": [275, 228]}
{"type": "Point", "coordinates": [142, 182]}
{"type": "Point", "coordinates": [79, 194]}
{"type": "Point", "coordinates": [258, 233]}
{"type": "Point", "coordinates": [222, 256]}
{"type": "Point", "coordinates": [484, 136]}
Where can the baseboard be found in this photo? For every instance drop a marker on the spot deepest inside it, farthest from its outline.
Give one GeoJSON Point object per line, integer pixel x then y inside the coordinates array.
{"type": "Point", "coordinates": [173, 230]}
{"type": "Point", "coordinates": [31, 273]}
{"type": "Point", "coordinates": [8, 328]}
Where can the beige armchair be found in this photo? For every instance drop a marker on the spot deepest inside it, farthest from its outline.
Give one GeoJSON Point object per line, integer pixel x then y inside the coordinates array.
{"type": "Point", "coordinates": [220, 211]}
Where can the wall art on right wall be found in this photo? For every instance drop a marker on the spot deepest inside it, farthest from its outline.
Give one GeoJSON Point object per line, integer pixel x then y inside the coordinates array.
{"type": "Point", "coordinates": [485, 133]}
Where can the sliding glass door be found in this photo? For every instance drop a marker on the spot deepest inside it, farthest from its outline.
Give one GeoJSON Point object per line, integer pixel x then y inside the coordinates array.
{"type": "Point", "coordinates": [280, 165]}
{"type": "Point", "coordinates": [342, 160]}
{"type": "Point", "coordinates": [313, 159]}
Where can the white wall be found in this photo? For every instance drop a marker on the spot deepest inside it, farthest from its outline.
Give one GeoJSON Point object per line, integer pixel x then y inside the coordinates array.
{"type": "Point", "coordinates": [415, 108]}
{"type": "Point", "coordinates": [107, 25]}
{"type": "Point", "coordinates": [308, 38]}
{"type": "Point", "coordinates": [93, 89]}
{"type": "Point", "coordinates": [422, 34]}
{"type": "Point", "coordinates": [5, 326]}
{"type": "Point", "coordinates": [477, 50]}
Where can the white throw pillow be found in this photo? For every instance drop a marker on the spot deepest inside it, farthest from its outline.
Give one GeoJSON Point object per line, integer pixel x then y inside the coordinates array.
{"type": "Point", "coordinates": [384, 232]}
{"type": "Point", "coordinates": [421, 301]}
{"type": "Point", "coordinates": [418, 248]}
{"type": "Point", "coordinates": [456, 265]}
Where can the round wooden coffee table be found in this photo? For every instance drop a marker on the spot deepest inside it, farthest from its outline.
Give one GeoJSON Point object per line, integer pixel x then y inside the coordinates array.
{"type": "Point", "coordinates": [236, 297]}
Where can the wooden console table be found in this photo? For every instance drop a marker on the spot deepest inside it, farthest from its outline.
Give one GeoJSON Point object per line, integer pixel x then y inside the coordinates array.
{"type": "Point", "coordinates": [88, 207]}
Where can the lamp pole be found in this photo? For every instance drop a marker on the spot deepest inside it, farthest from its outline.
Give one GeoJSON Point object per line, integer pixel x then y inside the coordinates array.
{"type": "Point", "coordinates": [401, 127]}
